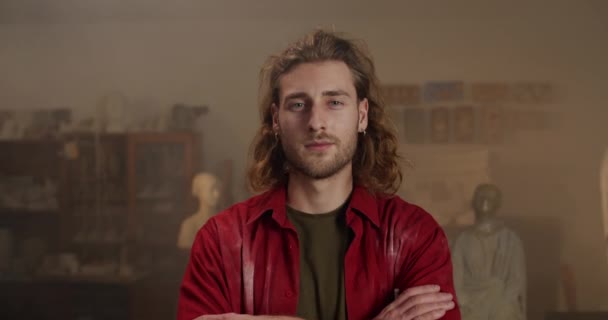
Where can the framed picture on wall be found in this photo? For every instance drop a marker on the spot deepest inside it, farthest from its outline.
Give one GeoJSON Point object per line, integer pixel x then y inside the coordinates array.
{"type": "Point", "coordinates": [409, 95]}
{"type": "Point", "coordinates": [390, 93]}
{"type": "Point", "coordinates": [415, 124]}
{"type": "Point", "coordinates": [533, 93]}
{"type": "Point", "coordinates": [490, 92]}
{"type": "Point", "coordinates": [401, 94]}
{"type": "Point", "coordinates": [440, 125]}
{"type": "Point", "coordinates": [464, 124]}
{"type": "Point", "coordinates": [443, 91]}
{"type": "Point", "coordinates": [491, 124]}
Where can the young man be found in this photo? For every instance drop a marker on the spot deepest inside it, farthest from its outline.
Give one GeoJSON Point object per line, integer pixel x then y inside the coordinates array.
{"type": "Point", "coordinates": [326, 239]}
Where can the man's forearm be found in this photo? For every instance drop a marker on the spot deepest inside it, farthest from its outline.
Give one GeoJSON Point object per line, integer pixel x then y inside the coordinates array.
{"type": "Point", "coordinates": [234, 316]}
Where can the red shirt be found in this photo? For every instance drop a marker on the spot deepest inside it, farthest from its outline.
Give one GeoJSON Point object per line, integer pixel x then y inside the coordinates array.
{"type": "Point", "coordinates": [246, 259]}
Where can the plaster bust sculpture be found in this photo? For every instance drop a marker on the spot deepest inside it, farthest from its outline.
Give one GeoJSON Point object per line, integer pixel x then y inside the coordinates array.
{"type": "Point", "coordinates": [205, 187]}
{"type": "Point", "coordinates": [489, 264]}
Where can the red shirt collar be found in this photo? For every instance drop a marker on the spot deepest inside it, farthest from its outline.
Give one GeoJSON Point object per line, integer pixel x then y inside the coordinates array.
{"type": "Point", "coordinates": [274, 201]}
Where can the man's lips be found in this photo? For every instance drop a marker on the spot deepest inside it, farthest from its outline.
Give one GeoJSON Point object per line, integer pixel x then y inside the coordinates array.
{"type": "Point", "coordinates": [318, 145]}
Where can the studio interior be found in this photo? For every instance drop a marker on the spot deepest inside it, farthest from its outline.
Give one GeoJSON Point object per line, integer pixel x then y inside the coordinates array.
{"type": "Point", "coordinates": [114, 115]}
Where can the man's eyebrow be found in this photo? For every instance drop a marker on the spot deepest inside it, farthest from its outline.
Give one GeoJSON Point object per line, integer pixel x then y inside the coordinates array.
{"type": "Point", "coordinates": [295, 95]}
{"type": "Point", "coordinates": [328, 93]}
{"type": "Point", "coordinates": [334, 93]}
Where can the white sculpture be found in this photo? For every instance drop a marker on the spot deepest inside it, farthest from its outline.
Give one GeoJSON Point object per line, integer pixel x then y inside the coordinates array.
{"type": "Point", "coordinates": [206, 188]}
{"type": "Point", "coordinates": [489, 264]}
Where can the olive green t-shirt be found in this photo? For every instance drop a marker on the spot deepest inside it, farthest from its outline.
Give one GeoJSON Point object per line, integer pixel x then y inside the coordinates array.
{"type": "Point", "coordinates": [323, 240]}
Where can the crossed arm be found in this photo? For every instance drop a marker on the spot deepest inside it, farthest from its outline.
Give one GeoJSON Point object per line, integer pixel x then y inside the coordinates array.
{"type": "Point", "coordinates": [430, 263]}
{"type": "Point", "coordinates": [420, 303]}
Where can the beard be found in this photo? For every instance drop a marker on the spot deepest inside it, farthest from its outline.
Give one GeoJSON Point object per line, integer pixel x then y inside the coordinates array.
{"type": "Point", "coordinates": [316, 165]}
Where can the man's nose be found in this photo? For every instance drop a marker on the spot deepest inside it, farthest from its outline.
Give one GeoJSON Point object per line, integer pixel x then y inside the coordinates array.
{"type": "Point", "coordinates": [317, 117]}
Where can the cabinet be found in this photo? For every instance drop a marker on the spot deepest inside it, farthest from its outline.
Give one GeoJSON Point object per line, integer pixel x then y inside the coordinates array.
{"type": "Point", "coordinates": [112, 199]}
{"type": "Point", "coordinates": [129, 190]}
{"type": "Point", "coordinates": [160, 171]}
{"type": "Point", "coordinates": [31, 201]}
{"type": "Point", "coordinates": [96, 189]}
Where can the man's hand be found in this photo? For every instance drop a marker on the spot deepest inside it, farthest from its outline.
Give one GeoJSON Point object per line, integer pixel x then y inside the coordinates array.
{"type": "Point", "coordinates": [418, 303]}
{"type": "Point", "coordinates": [235, 316]}
{"type": "Point", "coordinates": [224, 316]}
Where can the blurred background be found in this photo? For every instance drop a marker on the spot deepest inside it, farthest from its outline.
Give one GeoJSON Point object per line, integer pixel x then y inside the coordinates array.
{"type": "Point", "coordinates": [108, 109]}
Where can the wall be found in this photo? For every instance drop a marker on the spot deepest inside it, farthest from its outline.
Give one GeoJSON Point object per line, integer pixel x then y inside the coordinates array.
{"type": "Point", "coordinates": [209, 52]}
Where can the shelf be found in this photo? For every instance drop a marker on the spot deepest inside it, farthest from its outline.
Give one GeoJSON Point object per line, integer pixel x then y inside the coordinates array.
{"type": "Point", "coordinates": [84, 136]}
{"type": "Point", "coordinates": [29, 141]}
{"type": "Point", "coordinates": [28, 212]}
{"type": "Point", "coordinates": [170, 199]}
{"type": "Point", "coordinates": [96, 180]}
{"type": "Point", "coordinates": [100, 243]}
{"type": "Point", "coordinates": [16, 217]}
{"type": "Point", "coordinates": [156, 244]}
{"type": "Point", "coordinates": [64, 279]}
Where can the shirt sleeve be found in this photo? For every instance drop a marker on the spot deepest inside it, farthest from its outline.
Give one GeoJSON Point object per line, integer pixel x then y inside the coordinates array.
{"type": "Point", "coordinates": [425, 259]}
{"type": "Point", "coordinates": [203, 289]}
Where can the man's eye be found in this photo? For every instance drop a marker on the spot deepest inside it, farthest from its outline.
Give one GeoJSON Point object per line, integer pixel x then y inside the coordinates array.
{"type": "Point", "coordinates": [296, 105]}
{"type": "Point", "coordinates": [335, 103]}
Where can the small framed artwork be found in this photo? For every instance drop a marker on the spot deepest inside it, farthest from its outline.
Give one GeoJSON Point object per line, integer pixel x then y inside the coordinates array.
{"type": "Point", "coordinates": [415, 124]}
{"type": "Point", "coordinates": [492, 124]}
{"type": "Point", "coordinates": [490, 92]}
{"type": "Point", "coordinates": [533, 93]}
{"type": "Point", "coordinates": [440, 125]}
{"type": "Point", "coordinates": [444, 91]}
{"type": "Point", "coordinates": [389, 94]}
{"type": "Point", "coordinates": [395, 115]}
{"type": "Point", "coordinates": [464, 124]}
{"type": "Point", "coordinates": [409, 95]}
{"type": "Point", "coordinates": [401, 95]}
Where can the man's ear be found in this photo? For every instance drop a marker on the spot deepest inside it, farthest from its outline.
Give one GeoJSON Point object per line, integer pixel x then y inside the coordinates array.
{"type": "Point", "coordinates": [275, 117]}
{"type": "Point", "coordinates": [363, 108]}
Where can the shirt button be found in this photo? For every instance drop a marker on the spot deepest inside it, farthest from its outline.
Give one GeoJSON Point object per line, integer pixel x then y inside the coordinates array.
{"type": "Point", "coordinates": [289, 293]}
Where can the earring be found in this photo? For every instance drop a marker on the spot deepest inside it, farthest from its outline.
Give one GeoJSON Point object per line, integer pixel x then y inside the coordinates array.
{"type": "Point", "coordinates": [276, 136]}
{"type": "Point", "coordinates": [363, 131]}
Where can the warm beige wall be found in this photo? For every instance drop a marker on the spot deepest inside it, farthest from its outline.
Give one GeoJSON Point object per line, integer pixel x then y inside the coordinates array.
{"type": "Point", "coordinates": [211, 54]}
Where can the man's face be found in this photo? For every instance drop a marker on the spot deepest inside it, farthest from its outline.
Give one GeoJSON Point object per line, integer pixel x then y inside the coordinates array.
{"type": "Point", "coordinates": [318, 118]}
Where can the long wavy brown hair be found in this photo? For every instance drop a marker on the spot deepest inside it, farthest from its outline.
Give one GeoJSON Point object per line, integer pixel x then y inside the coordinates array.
{"type": "Point", "coordinates": [376, 161]}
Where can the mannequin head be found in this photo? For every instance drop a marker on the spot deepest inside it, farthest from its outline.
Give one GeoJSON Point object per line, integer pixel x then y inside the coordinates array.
{"type": "Point", "coordinates": [486, 202]}
{"type": "Point", "coordinates": [206, 188]}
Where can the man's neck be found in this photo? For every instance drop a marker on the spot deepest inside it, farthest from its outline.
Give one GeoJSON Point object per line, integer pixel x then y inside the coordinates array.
{"type": "Point", "coordinates": [319, 196]}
